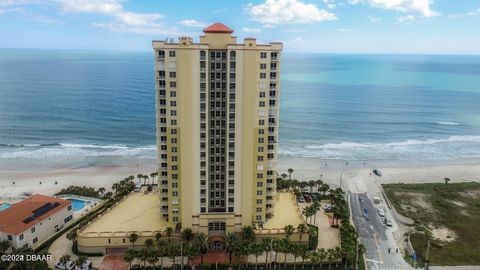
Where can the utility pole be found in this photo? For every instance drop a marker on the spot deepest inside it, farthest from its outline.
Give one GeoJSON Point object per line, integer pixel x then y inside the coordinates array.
{"type": "Point", "coordinates": [426, 257]}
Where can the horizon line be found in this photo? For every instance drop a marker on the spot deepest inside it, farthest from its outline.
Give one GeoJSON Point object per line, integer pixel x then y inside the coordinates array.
{"type": "Point", "coordinates": [287, 52]}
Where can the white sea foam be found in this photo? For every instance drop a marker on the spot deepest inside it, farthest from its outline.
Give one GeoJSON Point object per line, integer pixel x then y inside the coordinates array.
{"type": "Point", "coordinates": [451, 147]}
{"type": "Point", "coordinates": [67, 150]}
{"type": "Point", "coordinates": [448, 123]}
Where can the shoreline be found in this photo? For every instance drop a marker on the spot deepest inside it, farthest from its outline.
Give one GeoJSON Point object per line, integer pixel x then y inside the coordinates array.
{"type": "Point", "coordinates": [355, 175]}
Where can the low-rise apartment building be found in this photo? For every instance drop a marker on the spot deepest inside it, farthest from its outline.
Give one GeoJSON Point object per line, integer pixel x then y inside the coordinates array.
{"type": "Point", "coordinates": [33, 220]}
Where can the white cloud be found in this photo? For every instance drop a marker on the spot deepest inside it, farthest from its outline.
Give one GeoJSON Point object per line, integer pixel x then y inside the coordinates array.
{"type": "Point", "coordinates": [374, 19]}
{"type": "Point", "coordinates": [91, 6]}
{"type": "Point", "coordinates": [193, 23]}
{"type": "Point", "coordinates": [287, 12]}
{"type": "Point", "coordinates": [330, 3]}
{"type": "Point", "coordinates": [122, 21]}
{"type": "Point", "coordinates": [406, 19]}
{"type": "Point", "coordinates": [420, 6]}
{"type": "Point", "coordinates": [343, 30]}
{"type": "Point", "coordinates": [251, 30]}
{"type": "Point", "coordinates": [474, 12]}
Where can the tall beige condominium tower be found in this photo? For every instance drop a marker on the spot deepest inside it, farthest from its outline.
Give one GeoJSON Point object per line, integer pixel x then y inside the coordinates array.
{"type": "Point", "coordinates": [217, 105]}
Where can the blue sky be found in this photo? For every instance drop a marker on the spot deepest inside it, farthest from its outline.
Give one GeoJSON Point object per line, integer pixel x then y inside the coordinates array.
{"type": "Point", "coordinates": [325, 26]}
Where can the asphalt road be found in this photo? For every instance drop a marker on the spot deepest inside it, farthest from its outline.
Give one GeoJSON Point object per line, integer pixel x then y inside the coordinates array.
{"type": "Point", "coordinates": [380, 252]}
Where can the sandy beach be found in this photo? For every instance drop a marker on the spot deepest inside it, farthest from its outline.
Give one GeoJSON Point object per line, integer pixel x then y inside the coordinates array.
{"type": "Point", "coordinates": [356, 176]}
{"type": "Point", "coordinates": [96, 177]}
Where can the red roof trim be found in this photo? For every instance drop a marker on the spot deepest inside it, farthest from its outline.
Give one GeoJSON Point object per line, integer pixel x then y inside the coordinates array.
{"type": "Point", "coordinates": [218, 28]}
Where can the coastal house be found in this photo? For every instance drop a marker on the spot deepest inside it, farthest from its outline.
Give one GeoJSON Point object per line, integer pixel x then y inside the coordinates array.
{"type": "Point", "coordinates": [33, 220]}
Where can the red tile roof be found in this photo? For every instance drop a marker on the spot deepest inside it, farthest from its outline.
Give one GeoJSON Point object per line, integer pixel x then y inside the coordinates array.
{"type": "Point", "coordinates": [11, 219]}
{"type": "Point", "coordinates": [218, 28]}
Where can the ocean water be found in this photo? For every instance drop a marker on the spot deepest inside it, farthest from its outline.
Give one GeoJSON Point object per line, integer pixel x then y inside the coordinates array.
{"type": "Point", "coordinates": [84, 108]}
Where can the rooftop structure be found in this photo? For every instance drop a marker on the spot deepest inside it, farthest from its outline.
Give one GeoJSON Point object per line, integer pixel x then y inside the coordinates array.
{"type": "Point", "coordinates": [29, 212]}
{"type": "Point", "coordinates": [218, 28]}
{"type": "Point", "coordinates": [34, 220]}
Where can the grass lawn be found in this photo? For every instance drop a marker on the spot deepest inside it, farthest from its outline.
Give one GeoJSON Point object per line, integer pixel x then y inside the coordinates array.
{"type": "Point", "coordinates": [448, 213]}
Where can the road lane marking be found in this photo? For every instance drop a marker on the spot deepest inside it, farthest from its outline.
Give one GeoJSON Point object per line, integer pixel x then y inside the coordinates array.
{"type": "Point", "coordinates": [372, 260]}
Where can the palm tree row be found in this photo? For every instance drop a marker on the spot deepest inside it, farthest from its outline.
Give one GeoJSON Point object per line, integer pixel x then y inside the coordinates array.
{"type": "Point", "coordinates": [123, 187]}
{"type": "Point", "coordinates": [293, 184]}
{"type": "Point", "coordinates": [154, 252]}
{"type": "Point", "coordinates": [241, 245]}
{"type": "Point", "coordinates": [146, 177]}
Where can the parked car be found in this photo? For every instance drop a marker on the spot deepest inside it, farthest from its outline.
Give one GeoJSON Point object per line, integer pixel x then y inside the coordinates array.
{"type": "Point", "coordinates": [87, 265]}
{"type": "Point", "coordinates": [381, 212]}
{"type": "Point", "coordinates": [69, 265]}
{"type": "Point", "coordinates": [388, 222]}
{"type": "Point", "coordinates": [308, 199]}
{"type": "Point", "coordinates": [300, 199]}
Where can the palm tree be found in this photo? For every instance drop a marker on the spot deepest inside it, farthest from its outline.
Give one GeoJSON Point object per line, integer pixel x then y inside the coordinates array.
{"type": "Point", "coordinates": [314, 258]}
{"type": "Point", "coordinates": [290, 171]}
{"type": "Point", "coordinates": [446, 179]}
{"type": "Point", "coordinates": [257, 250]}
{"type": "Point", "coordinates": [140, 177]}
{"type": "Point", "coordinates": [158, 236]}
{"type": "Point", "coordinates": [4, 246]}
{"type": "Point", "coordinates": [312, 233]}
{"type": "Point", "coordinates": [149, 243]}
{"type": "Point", "coordinates": [230, 244]}
{"type": "Point", "coordinates": [152, 258]}
{"type": "Point", "coordinates": [173, 252]}
{"type": "Point", "coordinates": [286, 248]}
{"type": "Point", "coordinates": [72, 236]}
{"type": "Point", "coordinates": [307, 212]}
{"type": "Point", "coordinates": [311, 184]}
{"type": "Point", "coordinates": [296, 253]}
{"type": "Point", "coordinates": [79, 262]}
{"type": "Point", "coordinates": [132, 238]}
{"type": "Point", "coordinates": [162, 251]}
{"type": "Point", "coordinates": [289, 230]}
{"type": "Point", "coordinates": [169, 232]}
{"type": "Point", "coordinates": [101, 191]}
{"type": "Point", "coordinates": [315, 209]}
{"type": "Point", "coordinates": [130, 256]}
{"type": "Point", "coordinates": [324, 188]}
{"type": "Point", "coordinates": [322, 255]}
{"type": "Point", "coordinates": [277, 247]}
{"type": "Point", "coordinates": [191, 253]}
{"type": "Point", "coordinates": [304, 254]}
{"type": "Point", "coordinates": [337, 252]}
{"type": "Point", "coordinates": [143, 255]}
{"type": "Point", "coordinates": [248, 234]}
{"type": "Point", "coordinates": [145, 178]}
{"type": "Point", "coordinates": [330, 257]}
{"type": "Point", "coordinates": [187, 235]}
{"type": "Point", "coordinates": [152, 175]}
{"type": "Point", "coordinates": [284, 176]}
{"type": "Point", "coordinates": [267, 247]}
{"type": "Point", "coordinates": [64, 259]}
{"type": "Point", "coordinates": [201, 244]}
{"type": "Point", "coordinates": [301, 229]}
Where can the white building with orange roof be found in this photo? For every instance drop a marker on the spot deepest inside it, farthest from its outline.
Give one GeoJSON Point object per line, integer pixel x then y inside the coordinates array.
{"type": "Point", "coordinates": [33, 220]}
